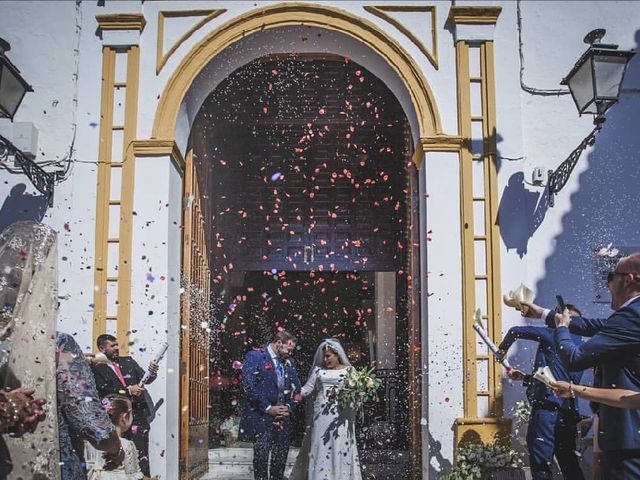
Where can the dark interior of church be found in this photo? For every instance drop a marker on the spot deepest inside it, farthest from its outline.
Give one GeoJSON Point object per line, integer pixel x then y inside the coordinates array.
{"type": "Point", "coordinates": [304, 165]}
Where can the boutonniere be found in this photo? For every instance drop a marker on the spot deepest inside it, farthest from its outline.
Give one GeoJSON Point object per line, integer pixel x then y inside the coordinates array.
{"type": "Point", "coordinates": [287, 363]}
{"type": "Point", "coordinates": [268, 365]}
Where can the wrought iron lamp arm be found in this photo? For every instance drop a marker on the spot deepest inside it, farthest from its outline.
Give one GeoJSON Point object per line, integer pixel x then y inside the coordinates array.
{"type": "Point", "coordinates": [43, 181]}
{"type": "Point", "coordinates": [559, 177]}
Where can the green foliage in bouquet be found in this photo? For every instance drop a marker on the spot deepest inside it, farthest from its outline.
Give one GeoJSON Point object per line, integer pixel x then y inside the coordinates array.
{"type": "Point", "coordinates": [360, 386]}
{"type": "Point", "coordinates": [480, 461]}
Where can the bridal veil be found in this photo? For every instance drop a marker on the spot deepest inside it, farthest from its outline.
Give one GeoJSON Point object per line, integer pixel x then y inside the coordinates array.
{"type": "Point", "coordinates": [28, 307]}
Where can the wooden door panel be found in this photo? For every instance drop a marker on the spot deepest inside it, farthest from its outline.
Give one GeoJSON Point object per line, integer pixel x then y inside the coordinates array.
{"type": "Point", "coordinates": [194, 340]}
{"type": "Point", "coordinates": [292, 177]}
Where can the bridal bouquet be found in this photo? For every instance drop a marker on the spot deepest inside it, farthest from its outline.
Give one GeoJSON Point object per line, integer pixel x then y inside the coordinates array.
{"type": "Point", "coordinates": [360, 386]}
{"type": "Point", "coordinates": [521, 294]}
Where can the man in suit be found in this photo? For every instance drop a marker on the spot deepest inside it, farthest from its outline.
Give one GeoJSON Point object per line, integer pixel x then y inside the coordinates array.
{"type": "Point", "coordinates": [614, 349]}
{"type": "Point", "coordinates": [122, 376]}
{"type": "Point", "coordinates": [552, 424]}
{"type": "Point", "coordinates": [271, 383]}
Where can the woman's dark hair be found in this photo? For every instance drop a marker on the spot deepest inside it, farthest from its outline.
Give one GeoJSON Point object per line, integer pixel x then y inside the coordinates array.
{"type": "Point", "coordinates": [116, 406]}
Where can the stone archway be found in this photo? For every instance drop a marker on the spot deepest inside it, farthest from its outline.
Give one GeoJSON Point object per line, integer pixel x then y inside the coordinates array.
{"type": "Point", "coordinates": [422, 103]}
{"type": "Point", "coordinates": [173, 121]}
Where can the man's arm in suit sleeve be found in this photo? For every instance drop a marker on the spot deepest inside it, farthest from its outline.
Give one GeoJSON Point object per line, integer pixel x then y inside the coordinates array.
{"type": "Point", "coordinates": [619, 335]}
{"type": "Point", "coordinates": [250, 370]}
{"type": "Point", "coordinates": [585, 327]}
{"type": "Point", "coordinates": [537, 334]}
{"type": "Point", "coordinates": [102, 383]}
{"type": "Point", "coordinates": [296, 387]}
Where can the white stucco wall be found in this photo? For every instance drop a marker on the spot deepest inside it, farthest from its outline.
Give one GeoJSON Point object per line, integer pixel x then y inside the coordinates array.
{"type": "Point", "coordinates": [550, 250]}
{"type": "Point", "coordinates": [155, 309]}
{"type": "Point", "coordinates": [553, 254]}
{"type": "Point", "coordinates": [443, 301]}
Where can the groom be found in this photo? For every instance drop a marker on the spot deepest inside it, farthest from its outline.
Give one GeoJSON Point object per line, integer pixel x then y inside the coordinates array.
{"type": "Point", "coordinates": [271, 383]}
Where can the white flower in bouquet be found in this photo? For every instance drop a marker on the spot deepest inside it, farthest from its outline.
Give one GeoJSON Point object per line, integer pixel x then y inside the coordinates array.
{"type": "Point", "coordinates": [360, 386]}
{"type": "Point", "coordinates": [230, 425]}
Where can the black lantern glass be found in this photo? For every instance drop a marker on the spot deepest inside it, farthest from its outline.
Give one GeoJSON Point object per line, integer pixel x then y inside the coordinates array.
{"type": "Point", "coordinates": [596, 78]}
{"type": "Point", "coordinates": [12, 86]}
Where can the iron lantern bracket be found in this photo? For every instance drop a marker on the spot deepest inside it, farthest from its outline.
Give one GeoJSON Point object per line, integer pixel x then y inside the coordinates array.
{"type": "Point", "coordinates": [558, 178]}
{"type": "Point", "coordinates": [43, 181]}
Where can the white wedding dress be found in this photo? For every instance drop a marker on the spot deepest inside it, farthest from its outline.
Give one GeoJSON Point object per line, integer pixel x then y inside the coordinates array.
{"type": "Point", "coordinates": [329, 450]}
{"type": "Point", "coordinates": [129, 470]}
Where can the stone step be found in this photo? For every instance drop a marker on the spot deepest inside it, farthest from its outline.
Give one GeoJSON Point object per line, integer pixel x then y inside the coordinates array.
{"type": "Point", "coordinates": [237, 463]}
{"type": "Point", "coordinates": [235, 472]}
{"type": "Point", "coordinates": [241, 456]}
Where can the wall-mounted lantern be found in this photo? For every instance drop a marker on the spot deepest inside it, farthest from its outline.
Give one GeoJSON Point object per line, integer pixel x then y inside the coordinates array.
{"type": "Point", "coordinates": [12, 90]}
{"type": "Point", "coordinates": [12, 86]}
{"type": "Point", "coordinates": [594, 83]}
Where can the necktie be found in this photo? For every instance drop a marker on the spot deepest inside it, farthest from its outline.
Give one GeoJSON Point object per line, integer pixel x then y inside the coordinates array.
{"type": "Point", "coordinates": [280, 370]}
{"type": "Point", "coordinates": [118, 372]}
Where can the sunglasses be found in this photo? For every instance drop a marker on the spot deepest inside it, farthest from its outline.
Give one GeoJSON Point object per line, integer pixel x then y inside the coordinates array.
{"type": "Point", "coordinates": [611, 275]}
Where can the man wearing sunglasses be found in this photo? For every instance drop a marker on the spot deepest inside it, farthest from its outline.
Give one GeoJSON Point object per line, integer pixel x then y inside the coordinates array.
{"type": "Point", "coordinates": [614, 349]}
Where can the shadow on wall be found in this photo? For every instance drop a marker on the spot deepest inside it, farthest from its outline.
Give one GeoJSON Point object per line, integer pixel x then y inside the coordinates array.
{"type": "Point", "coordinates": [435, 456]}
{"type": "Point", "coordinates": [606, 188]}
{"type": "Point", "coordinates": [520, 213]}
{"type": "Point", "coordinates": [19, 205]}
{"type": "Point", "coordinates": [603, 210]}
{"type": "Point", "coordinates": [605, 207]}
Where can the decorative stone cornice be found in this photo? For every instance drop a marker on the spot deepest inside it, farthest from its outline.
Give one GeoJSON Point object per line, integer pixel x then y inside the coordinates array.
{"type": "Point", "coordinates": [159, 148]}
{"type": "Point", "coordinates": [438, 143]}
{"type": "Point", "coordinates": [474, 15]}
{"type": "Point", "coordinates": [121, 21]}
{"type": "Point", "coordinates": [442, 143]}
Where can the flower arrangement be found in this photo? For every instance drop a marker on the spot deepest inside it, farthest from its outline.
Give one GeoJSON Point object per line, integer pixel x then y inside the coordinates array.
{"type": "Point", "coordinates": [360, 386]}
{"type": "Point", "coordinates": [480, 461]}
{"type": "Point", "coordinates": [229, 430]}
{"type": "Point", "coordinates": [521, 412]}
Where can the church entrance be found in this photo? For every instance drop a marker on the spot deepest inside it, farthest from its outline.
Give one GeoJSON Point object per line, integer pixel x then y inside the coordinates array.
{"type": "Point", "coordinates": [308, 199]}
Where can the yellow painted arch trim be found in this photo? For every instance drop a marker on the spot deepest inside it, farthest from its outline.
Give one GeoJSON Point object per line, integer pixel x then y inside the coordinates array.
{"type": "Point", "coordinates": [288, 14]}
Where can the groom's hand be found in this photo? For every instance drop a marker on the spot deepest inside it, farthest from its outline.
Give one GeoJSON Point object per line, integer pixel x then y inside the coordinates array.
{"type": "Point", "coordinates": [278, 410]}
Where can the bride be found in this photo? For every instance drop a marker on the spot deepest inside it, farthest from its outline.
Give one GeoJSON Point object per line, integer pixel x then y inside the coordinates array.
{"type": "Point", "coordinates": [329, 449]}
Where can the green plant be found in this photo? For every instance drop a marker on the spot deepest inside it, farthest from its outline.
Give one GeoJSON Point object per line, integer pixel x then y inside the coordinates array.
{"type": "Point", "coordinates": [521, 412]}
{"type": "Point", "coordinates": [479, 461]}
{"type": "Point", "coordinates": [230, 426]}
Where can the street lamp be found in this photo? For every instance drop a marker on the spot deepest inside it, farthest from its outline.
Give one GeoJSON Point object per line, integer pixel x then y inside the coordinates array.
{"type": "Point", "coordinates": [594, 83]}
{"type": "Point", "coordinates": [12, 90]}
{"type": "Point", "coordinates": [12, 86]}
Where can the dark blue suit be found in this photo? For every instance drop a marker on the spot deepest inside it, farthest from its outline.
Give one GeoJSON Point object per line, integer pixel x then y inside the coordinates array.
{"type": "Point", "coordinates": [269, 437]}
{"type": "Point", "coordinates": [614, 348]}
{"type": "Point", "coordinates": [552, 425]}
